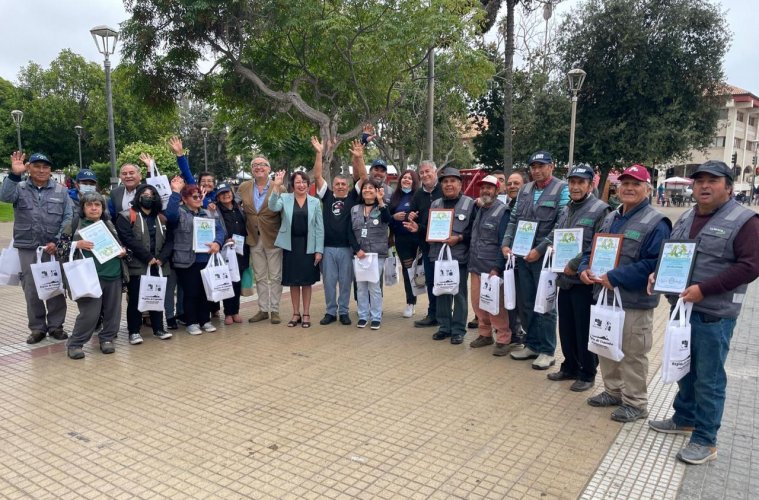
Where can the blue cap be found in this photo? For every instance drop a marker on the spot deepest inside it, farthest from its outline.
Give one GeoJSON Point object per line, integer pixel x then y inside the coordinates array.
{"type": "Point", "coordinates": [86, 174]}
{"type": "Point", "coordinates": [223, 188]}
{"type": "Point", "coordinates": [542, 157]}
{"type": "Point", "coordinates": [40, 157]}
{"type": "Point", "coordinates": [379, 163]}
{"type": "Point", "coordinates": [583, 171]}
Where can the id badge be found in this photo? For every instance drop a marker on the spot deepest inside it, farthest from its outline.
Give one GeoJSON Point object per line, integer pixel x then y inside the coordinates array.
{"type": "Point", "coordinates": [364, 233]}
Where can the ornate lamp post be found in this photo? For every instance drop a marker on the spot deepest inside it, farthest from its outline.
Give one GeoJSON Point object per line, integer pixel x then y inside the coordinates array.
{"type": "Point", "coordinates": [18, 117]}
{"type": "Point", "coordinates": [575, 77]}
{"type": "Point", "coordinates": [105, 41]}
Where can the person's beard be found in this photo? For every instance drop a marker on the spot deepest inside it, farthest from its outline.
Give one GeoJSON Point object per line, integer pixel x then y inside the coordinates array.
{"type": "Point", "coordinates": [486, 200]}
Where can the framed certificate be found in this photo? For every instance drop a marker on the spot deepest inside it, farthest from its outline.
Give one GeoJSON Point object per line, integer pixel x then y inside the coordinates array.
{"type": "Point", "coordinates": [203, 232]}
{"type": "Point", "coordinates": [675, 266]}
{"type": "Point", "coordinates": [439, 224]}
{"type": "Point", "coordinates": [524, 237]}
{"type": "Point", "coordinates": [105, 244]}
{"type": "Point", "coordinates": [605, 254]}
{"type": "Point", "coordinates": [567, 244]}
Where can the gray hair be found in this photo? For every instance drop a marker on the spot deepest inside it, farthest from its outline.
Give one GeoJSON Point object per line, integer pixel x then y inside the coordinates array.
{"type": "Point", "coordinates": [91, 198]}
{"type": "Point", "coordinates": [427, 162]}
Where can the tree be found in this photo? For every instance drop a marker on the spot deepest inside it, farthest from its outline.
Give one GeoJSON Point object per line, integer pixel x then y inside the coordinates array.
{"type": "Point", "coordinates": [194, 115]}
{"type": "Point", "coordinates": [653, 71]}
{"type": "Point", "coordinates": [335, 64]}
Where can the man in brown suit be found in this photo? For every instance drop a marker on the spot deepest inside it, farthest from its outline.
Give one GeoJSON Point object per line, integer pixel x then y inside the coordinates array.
{"type": "Point", "coordinates": [263, 226]}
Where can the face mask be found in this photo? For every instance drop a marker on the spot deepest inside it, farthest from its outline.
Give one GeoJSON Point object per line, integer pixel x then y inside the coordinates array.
{"type": "Point", "coordinates": [406, 190]}
{"type": "Point", "coordinates": [146, 202]}
{"type": "Point", "coordinates": [86, 188]}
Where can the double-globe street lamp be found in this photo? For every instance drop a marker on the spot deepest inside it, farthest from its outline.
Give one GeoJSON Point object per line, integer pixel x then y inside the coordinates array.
{"type": "Point", "coordinates": [105, 41]}
{"type": "Point", "coordinates": [18, 117]}
{"type": "Point", "coordinates": [78, 130]}
{"type": "Point", "coordinates": [575, 77]}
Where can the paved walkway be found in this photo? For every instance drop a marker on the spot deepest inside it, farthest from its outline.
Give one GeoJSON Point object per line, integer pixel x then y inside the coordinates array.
{"type": "Point", "coordinates": [267, 411]}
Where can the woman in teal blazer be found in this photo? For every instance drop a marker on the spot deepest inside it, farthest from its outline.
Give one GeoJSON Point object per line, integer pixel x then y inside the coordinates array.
{"type": "Point", "coordinates": [301, 237]}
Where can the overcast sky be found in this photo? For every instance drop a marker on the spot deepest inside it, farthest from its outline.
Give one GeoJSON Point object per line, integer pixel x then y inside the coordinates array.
{"type": "Point", "coordinates": [37, 30]}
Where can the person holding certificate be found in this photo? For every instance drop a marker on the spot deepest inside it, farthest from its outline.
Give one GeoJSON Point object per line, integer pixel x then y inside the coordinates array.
{"type": "Point", "coordinates": [193, 244]}
{"type": "Point", "coordinates": [643, 229]}
{"type": "Point", "coordinates": [532, 219]}
{"type": "Point", "coordinates": [92, 210]}
{"type": "Point", "coordinates": [585, 213]}
{"type": "Point", "coordinates": [726, 261]}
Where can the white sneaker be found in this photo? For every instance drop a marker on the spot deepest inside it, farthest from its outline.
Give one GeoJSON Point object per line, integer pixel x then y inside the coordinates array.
{"type": "Point", "coordinates": [194, 329]}
{"type": "Point", "coordinates": [208, 327]}
{"type": "Point", "coordinates": [135, 338]}
{"type": "Point", "coordinates": [543, 362]}
{"type": "Point", "coordinates": [409, 312]}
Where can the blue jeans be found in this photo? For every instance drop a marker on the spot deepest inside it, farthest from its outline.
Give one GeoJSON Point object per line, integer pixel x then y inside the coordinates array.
{"type": "Point", "coordinates": [452, 310]}
{"type": "Point", "coordinates": [429, 278]}
{"type": "Point", "coordinates": [701, 399]}
{"type": "Point", "coordinates": [337, 270]}
{"type": "Point", "coordinates": [540, 328]}
{"type": "Point", "coordinates": [370, 297]}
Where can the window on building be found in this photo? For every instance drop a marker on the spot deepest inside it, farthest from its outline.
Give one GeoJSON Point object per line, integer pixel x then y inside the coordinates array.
{"type": "Point", "coordinates": [741, 117]}
{"type": "Point", "coordinates": [718, 142]}
{"type": "Point", "coordinates": [752, 121]}
{"type": "Point", "coordinates": [737, 143]}
{"type": "Point", "coordinates": [722, 114]}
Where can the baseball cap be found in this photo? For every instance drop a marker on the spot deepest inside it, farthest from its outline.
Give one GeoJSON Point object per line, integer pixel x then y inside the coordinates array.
{"type": "Point", "coordinates": [379, 163]}
{"type": "Point", "coordinates": [637, 172]}
{"type": "Point", "coordinates": [582, 171]}
{"type": "Point", "coordinates": [223, 188]}
{"type": "Point", "coordinates": [40, 157]}
{"type": "Point", "coordinates": [714, 167]}
{"type": "Point", "coordinates": [86, 174]}
{"type": "Point", "coordinates": [491, 179]}
{"type": "Point", "coordinates": [449, 172]}
{"type": "Point", "coordinates": [542, 157]}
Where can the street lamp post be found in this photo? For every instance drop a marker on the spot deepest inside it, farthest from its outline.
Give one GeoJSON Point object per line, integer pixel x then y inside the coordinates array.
{"type": "Point", "coordinates": [105, 41]}
{"type": "Point", "coordinates": [78, 130]}
{"type": "Point", "coordinates": [18, 117]}
{"type": "Point", "coordinates": [204, 131]}
{"type": "Point", "coordinates": [575, 77]}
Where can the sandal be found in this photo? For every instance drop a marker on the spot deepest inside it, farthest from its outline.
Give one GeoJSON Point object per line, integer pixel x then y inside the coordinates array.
{"type": "Point", "coordinates": [293, 322]}
{"type": "Point", "coordinates": [306, 324]}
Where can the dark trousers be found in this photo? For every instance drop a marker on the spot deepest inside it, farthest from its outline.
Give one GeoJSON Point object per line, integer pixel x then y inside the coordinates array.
{"type": "Point", "coordinates": [429, 277]}
{"type": "Point", "coordinates": [406, 246]}
{"type": "Point", "coordinates": [232, 304]}
{"type": "Point", "coordinates": [196, 310]}
{"type": "Point", "coordinates": [574, 327]}
{"type": "Point", "coordinates": [89, 314]}
{"type": "Point", "coordinates": [134, 316]}
{"type": "Point", "coordinates": [541, 328]}
{"type": "Point", "coordinates": [453, 309]}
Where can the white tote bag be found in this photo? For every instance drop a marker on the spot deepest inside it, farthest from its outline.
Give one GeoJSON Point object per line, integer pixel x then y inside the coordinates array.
{"type": "Point", "coordinates": [367, 269]}
{"type": "Point", "coordinates": [152, 291]}
{"type": "Point", "coordinates": [82, 276]}
{"type": "Point", "coordinates": [675, 363]}
{"type": "Point", "coordinates": [161, 184]}
{"type": "Point", "coordinates": [390, 269]}
{"type": "Point", "coordinates": [230, 257]}
{"type": "Point", "coordinates": [490, 297]}
{"type": "Point", "coordinates": [606, 327]}
{"type": "Point", "coordinates": [509, 284]}
{"type": "Point", "coordinates": [216, 280]}
{"type": "Point", "coordinates": [10, 266]}
{"type": "Point", "coordinates": [47, 276]}
{"type": "Point", "coordinates": [545, 297]}
{"type": "Point", "coordinates": [416, 276]}
{"type": "Point", "coordinates": [447, 277]}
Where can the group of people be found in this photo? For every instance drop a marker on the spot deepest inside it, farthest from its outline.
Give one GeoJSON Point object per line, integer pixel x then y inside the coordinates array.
{"type": "Point", "coordinates": [294, 239]}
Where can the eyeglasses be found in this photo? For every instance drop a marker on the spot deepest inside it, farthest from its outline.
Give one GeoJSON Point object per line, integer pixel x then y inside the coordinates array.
{"type": "Point", "coordinates": [196, 197]}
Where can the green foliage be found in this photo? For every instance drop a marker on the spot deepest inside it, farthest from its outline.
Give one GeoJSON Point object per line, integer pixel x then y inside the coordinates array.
{"type": "Point", "coordinates": [103, 171]}
{"type": "Point", "coordinates": [6, 212]}
{"type": "Point", "coordinates": [193, 116]}
{"type": "Point", "coordinates": [164, 158]}
{"type": "Point", "coordinates": [653, 70]}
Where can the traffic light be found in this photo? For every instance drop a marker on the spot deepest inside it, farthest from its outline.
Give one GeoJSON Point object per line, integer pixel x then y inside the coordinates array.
{"type": "Point", "coordinates": [734, 159]}
{"type": "Point", "coordinates": [754, 159]}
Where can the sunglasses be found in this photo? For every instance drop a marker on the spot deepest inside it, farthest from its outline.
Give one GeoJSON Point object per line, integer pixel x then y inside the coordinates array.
{"type": "Point", "coordinates": [196, 197]}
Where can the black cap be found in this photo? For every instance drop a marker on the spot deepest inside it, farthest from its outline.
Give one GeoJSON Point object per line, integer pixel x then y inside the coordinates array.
{"type": "Point", "coordinates": [716, 168]}
{"type": "Point", "coordinates": [449, 172]}
{"type": "Point", "coordinates": [379, 163]}
{"type": "Point", "coordinates": [542, 157]}
{"type": "Point", "coordinates": [582, 171]}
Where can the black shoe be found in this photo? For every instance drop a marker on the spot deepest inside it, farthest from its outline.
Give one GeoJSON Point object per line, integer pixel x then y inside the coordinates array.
{"type": "Point", "coordinates": [362, 323]}
{"type": "Point", "coordinates": [58, 334]}
{"type": "Point", "coordinates": [581, 386]}
{"type": "Point", "coordinates": [75, 353]}
{"type": "Point", "coordinates": [171, 323]}
{"type": "Point", "coordinates": [327, 319]}
{"type": "Point", "coordinates": [36, 336]}
{"type": "Point", "coordinates": [457, 339]}
{"type": "Point", "coordinates": [438, 335]}
{"type": "Point", "coordinates": [475, 323]}
{"type": "Point", "coordinates": [560, 375]}
{"type": "Point", "coordinates": [425, 322]}
{"type": "Point", "coordinates": [106, 347]}
{"type": "Point", "coordinates": [345, 319]}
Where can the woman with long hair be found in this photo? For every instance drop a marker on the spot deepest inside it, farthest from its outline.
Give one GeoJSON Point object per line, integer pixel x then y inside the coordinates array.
{"type": "Point", "coordinates": [406, 242]}
{"type": "Point", "coordinates": [233, 220]}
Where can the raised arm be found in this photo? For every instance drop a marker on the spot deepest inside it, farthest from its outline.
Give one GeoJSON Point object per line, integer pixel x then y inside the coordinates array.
{"type": "Point", "coordinates": [175, 143]}
{"type": "Point", "coordinates": [318, 163]}
{"type": "Point", "coordinates": [357, 159]}
{"type": "Point", "coordinates": [8, 192]}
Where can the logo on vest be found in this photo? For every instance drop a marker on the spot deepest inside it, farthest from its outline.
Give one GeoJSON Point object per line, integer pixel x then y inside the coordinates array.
{"type": "Point", "coordinates": [717, 230]}
{"type": "Point", "coordinates": [632, 234]}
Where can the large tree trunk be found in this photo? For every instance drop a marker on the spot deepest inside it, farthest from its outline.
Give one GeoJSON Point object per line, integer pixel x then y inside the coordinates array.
{"type": "Point", "coordinates": [508, 87]}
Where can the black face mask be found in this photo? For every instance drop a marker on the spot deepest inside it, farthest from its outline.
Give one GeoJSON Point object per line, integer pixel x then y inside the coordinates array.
{"type": "Point", "coordinates": [146, 202]}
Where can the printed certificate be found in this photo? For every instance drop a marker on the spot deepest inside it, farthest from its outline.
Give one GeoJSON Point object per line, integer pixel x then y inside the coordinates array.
{"type": "Point", "coordinates": [439, 224]}
{"type": "Point", "coordinates": [105, 244]}
{"type": "Point", "coordinates": [675, 266]}
{"type": "Point", "coordinates": [203, 232]}
{"type": "Point", "coordinates": [605, 254]}
{"type": "Point", "coordinates": [567, 244]}
{"type": "Point", "coordinates": [524, 237]}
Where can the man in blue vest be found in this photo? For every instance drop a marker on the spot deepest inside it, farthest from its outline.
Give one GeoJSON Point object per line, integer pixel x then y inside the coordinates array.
{"type": "Point", "coordinates": [643, 229]}
{"type": "Point", "coordinates": [727, 260]}
{"type": "Point", "coordinates": [41, 209]}
{"type": "Point", "coordinates": [539, 201]}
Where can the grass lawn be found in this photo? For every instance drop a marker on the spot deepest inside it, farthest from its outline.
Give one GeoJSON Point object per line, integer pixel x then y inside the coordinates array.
{"type": "Point", "coordinates": [6, 212]}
